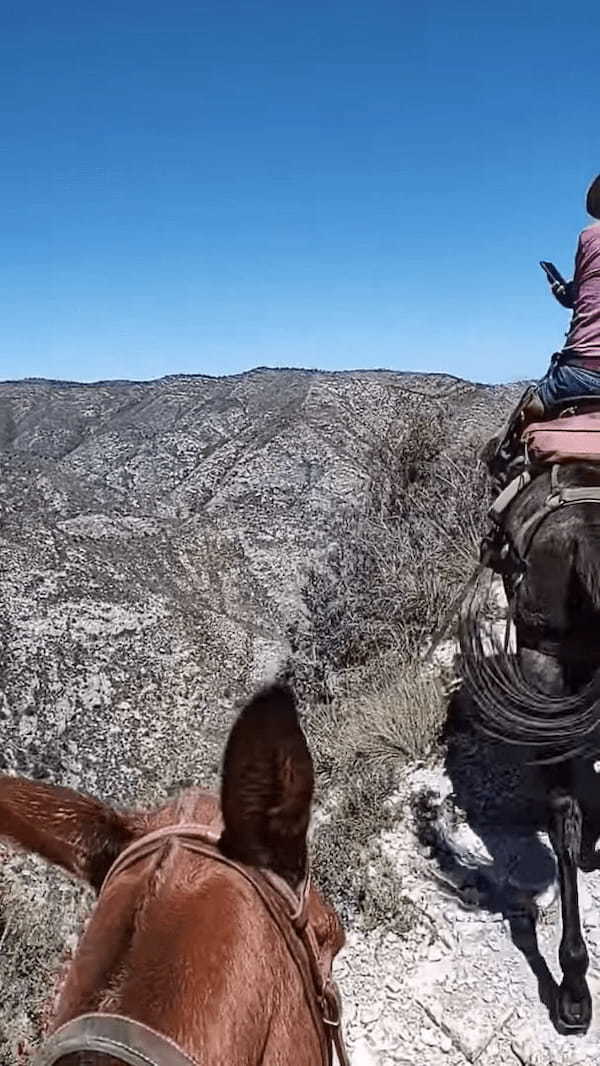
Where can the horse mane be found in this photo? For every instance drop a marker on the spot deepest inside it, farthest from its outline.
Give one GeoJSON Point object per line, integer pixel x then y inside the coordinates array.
{"type": "Point", "coordinates": [507, 707]}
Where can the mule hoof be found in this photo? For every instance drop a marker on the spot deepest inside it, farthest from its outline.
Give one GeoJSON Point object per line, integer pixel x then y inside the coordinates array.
{"type": "Point", "coordinates": [572, 1015]}
{"type": "Point", "coordinates": [589, 858]}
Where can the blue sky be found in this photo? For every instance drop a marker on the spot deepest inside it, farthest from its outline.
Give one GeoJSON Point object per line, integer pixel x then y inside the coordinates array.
{"type": "Point", "coordinates": [206, 187]}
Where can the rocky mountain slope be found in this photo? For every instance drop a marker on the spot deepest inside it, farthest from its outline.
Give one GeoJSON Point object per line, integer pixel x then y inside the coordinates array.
{"type": "Point", "coordinates": [154, 541]}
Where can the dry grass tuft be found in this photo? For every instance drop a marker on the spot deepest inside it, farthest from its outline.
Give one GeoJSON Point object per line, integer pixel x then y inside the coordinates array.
{"type": "Point", "coordinates": [342, 841]}
{"type": "Point", "coordinates": [386, 904]}
{"type": "Point", "coordinates": [399, 716]}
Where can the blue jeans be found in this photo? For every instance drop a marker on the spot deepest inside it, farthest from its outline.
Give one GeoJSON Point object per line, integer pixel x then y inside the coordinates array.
{"type": "Point", "coordinates": [566, 383]}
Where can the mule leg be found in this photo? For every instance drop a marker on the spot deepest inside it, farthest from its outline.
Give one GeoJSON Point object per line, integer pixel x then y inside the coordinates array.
{"type": "Point", "coordinates": [574, 1004]}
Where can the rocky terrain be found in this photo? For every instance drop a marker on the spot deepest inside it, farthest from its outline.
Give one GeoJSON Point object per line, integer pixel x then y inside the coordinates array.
{"type": "Point", "coordinates": [471, 977]}
{"type": "Point", "coordinates": [155, 539]}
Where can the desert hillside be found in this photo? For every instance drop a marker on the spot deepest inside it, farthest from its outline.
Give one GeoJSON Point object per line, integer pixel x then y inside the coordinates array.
{"type": "Point", "coordinates": [166, 546]}
{"type": "Point", "coordinates": [155, 540]}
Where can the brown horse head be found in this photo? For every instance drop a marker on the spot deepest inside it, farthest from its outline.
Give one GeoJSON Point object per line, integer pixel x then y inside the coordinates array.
{"type": "Point", "coordinates": [183, 942]}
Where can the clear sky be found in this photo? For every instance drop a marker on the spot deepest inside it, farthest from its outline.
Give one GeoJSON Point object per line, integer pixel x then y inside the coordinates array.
{"type": "Point", "coordinates": [203, 187]}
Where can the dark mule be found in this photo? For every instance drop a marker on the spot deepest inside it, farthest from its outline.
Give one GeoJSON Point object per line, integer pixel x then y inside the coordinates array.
{"type": "Point", "coordinates": [208, 944]}
{"type": "Point", "coordinates": [547, 698]}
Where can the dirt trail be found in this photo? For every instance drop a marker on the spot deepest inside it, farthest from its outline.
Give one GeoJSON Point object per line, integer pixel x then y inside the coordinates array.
{"type": "Point", "coordinates": [458, 988]}
{"type": "Point", "coordinates": [471, 979]}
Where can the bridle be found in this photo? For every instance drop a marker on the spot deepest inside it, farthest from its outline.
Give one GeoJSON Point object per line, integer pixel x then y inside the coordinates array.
{"type": "Point", "coordinates": [138, 1045]}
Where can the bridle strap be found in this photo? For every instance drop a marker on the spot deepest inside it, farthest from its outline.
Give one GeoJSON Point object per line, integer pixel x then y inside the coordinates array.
{"type": "Point", "coordinates": [205, 841]}
{"type": "Point", "coordinates": [147, 845]}
{"type": "Point", "coordinates": [111, 1034]}
{"type": "Point", "coordinates": [287, 910]}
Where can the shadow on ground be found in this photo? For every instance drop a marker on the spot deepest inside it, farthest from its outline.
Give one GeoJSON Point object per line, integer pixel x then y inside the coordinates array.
{"type": "Point", "coordinates": [485, 832]}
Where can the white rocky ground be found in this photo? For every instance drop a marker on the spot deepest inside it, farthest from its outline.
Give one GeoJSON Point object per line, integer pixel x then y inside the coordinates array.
{"type": "Point", "coordinates": [456, 989]}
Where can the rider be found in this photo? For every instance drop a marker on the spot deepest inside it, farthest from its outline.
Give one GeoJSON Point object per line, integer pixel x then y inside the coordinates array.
{"type": "Point", "coordinates": [575, 371]}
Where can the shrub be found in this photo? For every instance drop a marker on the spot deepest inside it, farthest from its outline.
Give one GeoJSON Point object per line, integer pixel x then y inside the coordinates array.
{"type": "Point", "coordinates": [399, 562]}
{"type": "Point", "coordinates": [389, 590]}
{"type": "Point", "coordinates": [399, 715]}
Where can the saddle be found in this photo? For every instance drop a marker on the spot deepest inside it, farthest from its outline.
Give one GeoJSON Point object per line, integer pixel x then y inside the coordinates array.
{"type": "Point", "coordinates": [570, 433]}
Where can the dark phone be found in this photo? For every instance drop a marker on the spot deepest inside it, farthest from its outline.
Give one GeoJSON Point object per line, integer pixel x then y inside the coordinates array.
{"type": "Point", "coordinates": [552, 273]}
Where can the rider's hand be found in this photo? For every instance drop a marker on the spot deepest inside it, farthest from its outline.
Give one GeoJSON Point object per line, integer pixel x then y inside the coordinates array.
{"type": "Point", "coordinates": [563, 293]}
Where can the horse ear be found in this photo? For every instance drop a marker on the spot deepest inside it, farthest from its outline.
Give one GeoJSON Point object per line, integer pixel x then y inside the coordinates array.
{"type": "Point", "coordinates": [267, 786]}
{"type": "Point", "coordinates": [67, 828]}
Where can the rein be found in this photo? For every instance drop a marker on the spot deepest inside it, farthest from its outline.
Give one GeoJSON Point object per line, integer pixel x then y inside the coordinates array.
{"type": "Point", "coordinates": [139, 1045]}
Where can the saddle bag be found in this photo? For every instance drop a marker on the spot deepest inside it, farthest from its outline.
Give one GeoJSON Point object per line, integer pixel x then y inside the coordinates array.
{"type": "Point", "coordinates": [564, 440]}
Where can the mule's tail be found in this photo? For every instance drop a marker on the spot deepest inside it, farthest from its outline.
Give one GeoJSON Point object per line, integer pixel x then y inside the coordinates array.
{"type": "Point", "coordinates": [508, 707]}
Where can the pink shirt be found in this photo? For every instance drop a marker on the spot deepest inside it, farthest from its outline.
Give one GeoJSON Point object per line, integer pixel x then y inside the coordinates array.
{"type": "Point", "coordinates": [583, 338]}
